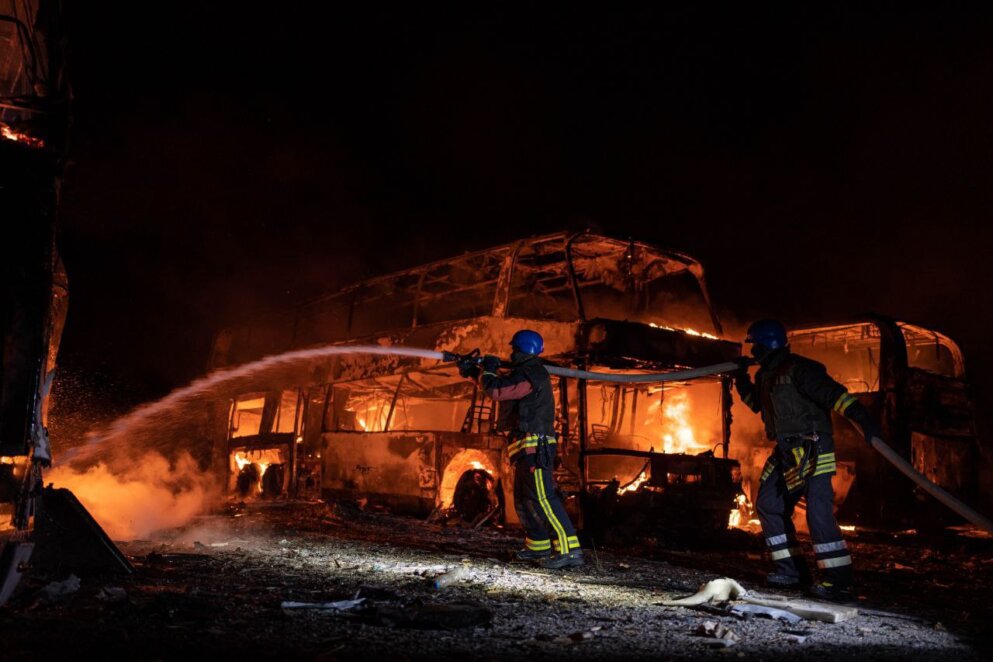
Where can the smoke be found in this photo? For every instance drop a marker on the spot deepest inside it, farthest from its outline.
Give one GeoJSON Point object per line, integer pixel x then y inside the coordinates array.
{"type": "Point", "coordinates": [152, 494]}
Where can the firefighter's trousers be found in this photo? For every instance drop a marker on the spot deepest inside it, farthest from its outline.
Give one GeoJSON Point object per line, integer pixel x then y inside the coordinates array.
{"type": "Point", "coordinates": [775, 506]}
{"type": "Point", "coordinates": [538, 505]}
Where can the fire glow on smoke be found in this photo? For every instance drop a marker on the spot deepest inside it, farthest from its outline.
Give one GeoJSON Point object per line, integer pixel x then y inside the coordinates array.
{"type": "Point", "coordinates": [151, 495]}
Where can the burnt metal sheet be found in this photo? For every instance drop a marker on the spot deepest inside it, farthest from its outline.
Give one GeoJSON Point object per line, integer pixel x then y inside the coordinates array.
{"type": "Point", "coordinates": [622, 344]}
{"type": "Point", "coordinates": [938, 405]}
{"type": "Point", "coordinates": [690, 494]}
{"type": "Point", "coordinates": [381, 463]}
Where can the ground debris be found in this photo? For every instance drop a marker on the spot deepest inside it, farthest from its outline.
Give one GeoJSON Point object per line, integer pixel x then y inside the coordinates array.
{"type": "Point", "coordinates": [717, 590]}
{"type": "Point", "coordinates": [447, 616]}
{"type": "Point", "coordinates": [747, 610]}
{"type": "Point", "coordinates": [456, 574]}
{"type": "Point", "coordinates": [338, 605]}
{"type": "Point", "coordinates": [722, 636]}
{"type": "Point", "coordinates": [112, 594]}
{"type": "Point", "coordinates": [58, 590]}
{"type": "Point", "coordinates": [229, 605]}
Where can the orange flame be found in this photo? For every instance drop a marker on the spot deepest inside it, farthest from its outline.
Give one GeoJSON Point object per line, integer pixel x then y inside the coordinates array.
{"type": "Point", "coordinates": [739, 512]}
{"type": "Point", "coordinates": [16, 136]}
{"type": "Point", "coordinates": [262, 459]}
{"type": "Point", "coordinates": [635, 484]}
{"type": "Point", "coordinates": [688, 331]}
{"type": "Point", "coordinates": [678, 436]}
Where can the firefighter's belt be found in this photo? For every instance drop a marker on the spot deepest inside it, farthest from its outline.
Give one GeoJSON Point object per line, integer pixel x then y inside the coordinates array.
{"type": "Point", "coordinates": [528, 444]}
{"type": "Point", "coordinates": [802, 462]}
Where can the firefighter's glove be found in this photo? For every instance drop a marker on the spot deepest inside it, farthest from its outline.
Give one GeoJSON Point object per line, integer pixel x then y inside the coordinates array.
{"type": "Point", "coordinates": [490, 364]}
{"type": "Point", "coordinates": [469, 367]}
{"type": "Point", "coordinates": [865, 420]}
{"type": "Point", "coordinates": [743, 363]}
{"type": "Point", "coordinates": [742, 380]}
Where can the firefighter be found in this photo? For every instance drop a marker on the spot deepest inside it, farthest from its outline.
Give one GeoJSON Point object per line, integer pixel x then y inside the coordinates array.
{"type": "Point", "coordinates": [527, 414]}
{"type": "Point", "coordinates": [795, 396]}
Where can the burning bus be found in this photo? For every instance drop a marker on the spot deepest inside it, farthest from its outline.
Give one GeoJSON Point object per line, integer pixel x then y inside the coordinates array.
{"type": "Point", "coordinates": [413, 435]}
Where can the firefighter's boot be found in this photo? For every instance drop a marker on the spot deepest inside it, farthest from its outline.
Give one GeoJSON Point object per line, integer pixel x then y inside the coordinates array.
{"type": "Point", "coordinates": [570, 559]}
{"type": "Point", "coordinates": [777, 579]}
{"type": "Point", "coordinates": [532, 554]}
{"type": "Point", "coordinates": [832, 593]}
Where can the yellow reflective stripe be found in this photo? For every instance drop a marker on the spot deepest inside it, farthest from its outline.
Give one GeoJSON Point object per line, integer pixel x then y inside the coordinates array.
{"type": "Point", "coordinates": [826, 464]}
{"type": "Point", "coordinates": [491, 374]}
{"type": "Point", "coordinates": [844, 401]}
{"type": "Point", "coordinates": [770, 466]}
{"type": "Point", "coordinates": [537, 545]}
{"type": "Point", "coordinates": [573, 543]}
{"type": "Point", "coordinates": [527, 442]}
{"type": "Point", "coordinates": [835, 563]}
{"type": "Point", "coordinates": [563, 539]}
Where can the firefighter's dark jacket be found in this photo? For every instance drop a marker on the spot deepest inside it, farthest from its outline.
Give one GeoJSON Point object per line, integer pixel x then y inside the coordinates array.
{"type": "Point", "coordinates": [534, 413]}
{"type": "Point", "coordinates": [795, 396]}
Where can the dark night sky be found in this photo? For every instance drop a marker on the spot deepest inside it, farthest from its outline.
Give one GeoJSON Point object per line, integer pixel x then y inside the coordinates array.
{"type": "Point", "coordinates": [228, 160]}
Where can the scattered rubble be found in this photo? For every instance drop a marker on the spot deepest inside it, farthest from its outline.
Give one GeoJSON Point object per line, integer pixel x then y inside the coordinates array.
{"type": "Point", "coordinates": [722, 636]}
{"type": "Point", "coordinates": [58, 590]}
{"type": "Point", "coordinates": [381, 570]}
{"type": "Point", "coordinates": [340, 605]}
{"type": "Point", "coordinates": [747, 610]}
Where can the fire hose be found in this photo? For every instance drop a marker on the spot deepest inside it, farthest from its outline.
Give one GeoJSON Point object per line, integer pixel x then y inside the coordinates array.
{"type": "Point", "coordinates": [938, 492]}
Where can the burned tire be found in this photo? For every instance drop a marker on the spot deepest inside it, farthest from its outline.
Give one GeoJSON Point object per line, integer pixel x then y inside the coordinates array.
{"type": "Point", "coordinates": [248, 480]}
{"type": "Point", "coordinates": [272, 481]}
{"type": "Point", "coordinates": [475, 495]}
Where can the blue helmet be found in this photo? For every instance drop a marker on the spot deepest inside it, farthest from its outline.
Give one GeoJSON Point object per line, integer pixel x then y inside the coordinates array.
{"type": "Point", "coordinates": [767, 333]}
{"type": "Point", "coordinates": [527, 341]}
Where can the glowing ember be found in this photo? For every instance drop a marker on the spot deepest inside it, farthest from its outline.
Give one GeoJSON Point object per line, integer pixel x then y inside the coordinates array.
{"type": "Point", "coordinates": [6, 460]}
{"type": "Point", "coordinates": [691, 332]}
{"type": "Point", "coordinates": [635, 484]}
{"type": "Point", "coordinates": [847, 527]}
{"type": "Point", "coordinates": [16, 136]}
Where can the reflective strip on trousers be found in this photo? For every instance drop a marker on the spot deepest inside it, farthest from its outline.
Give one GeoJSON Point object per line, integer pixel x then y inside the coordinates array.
{"type": "Point", "coordinates": [573, 543]}
{"type": "Point", "coordinates": [826, 547]}
{"type": "Point", "coordinates": [785, 553]}
{"type": "Point", "coordinates": [563, 539]}
{"type": "Point", "coordinates": [537, 545]}
{"type": "Point", "coordinates": [776, 540]}
{"type": "Point", "coordinates": [835, 563]}
{"type": "Point", "coordinates": [530, 441]}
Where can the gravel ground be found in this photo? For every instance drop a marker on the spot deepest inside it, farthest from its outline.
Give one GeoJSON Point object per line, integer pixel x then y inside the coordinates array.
{"type": "Point", "coordinates": [217, 588]}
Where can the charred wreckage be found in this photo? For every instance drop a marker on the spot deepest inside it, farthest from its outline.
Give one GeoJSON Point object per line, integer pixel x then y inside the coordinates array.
{"type": "Point", "coordinates": [637, 460]}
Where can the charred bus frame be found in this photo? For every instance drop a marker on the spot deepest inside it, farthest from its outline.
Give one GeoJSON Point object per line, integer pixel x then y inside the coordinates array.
{"type": "Point", "coordinates": [405, 431]}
